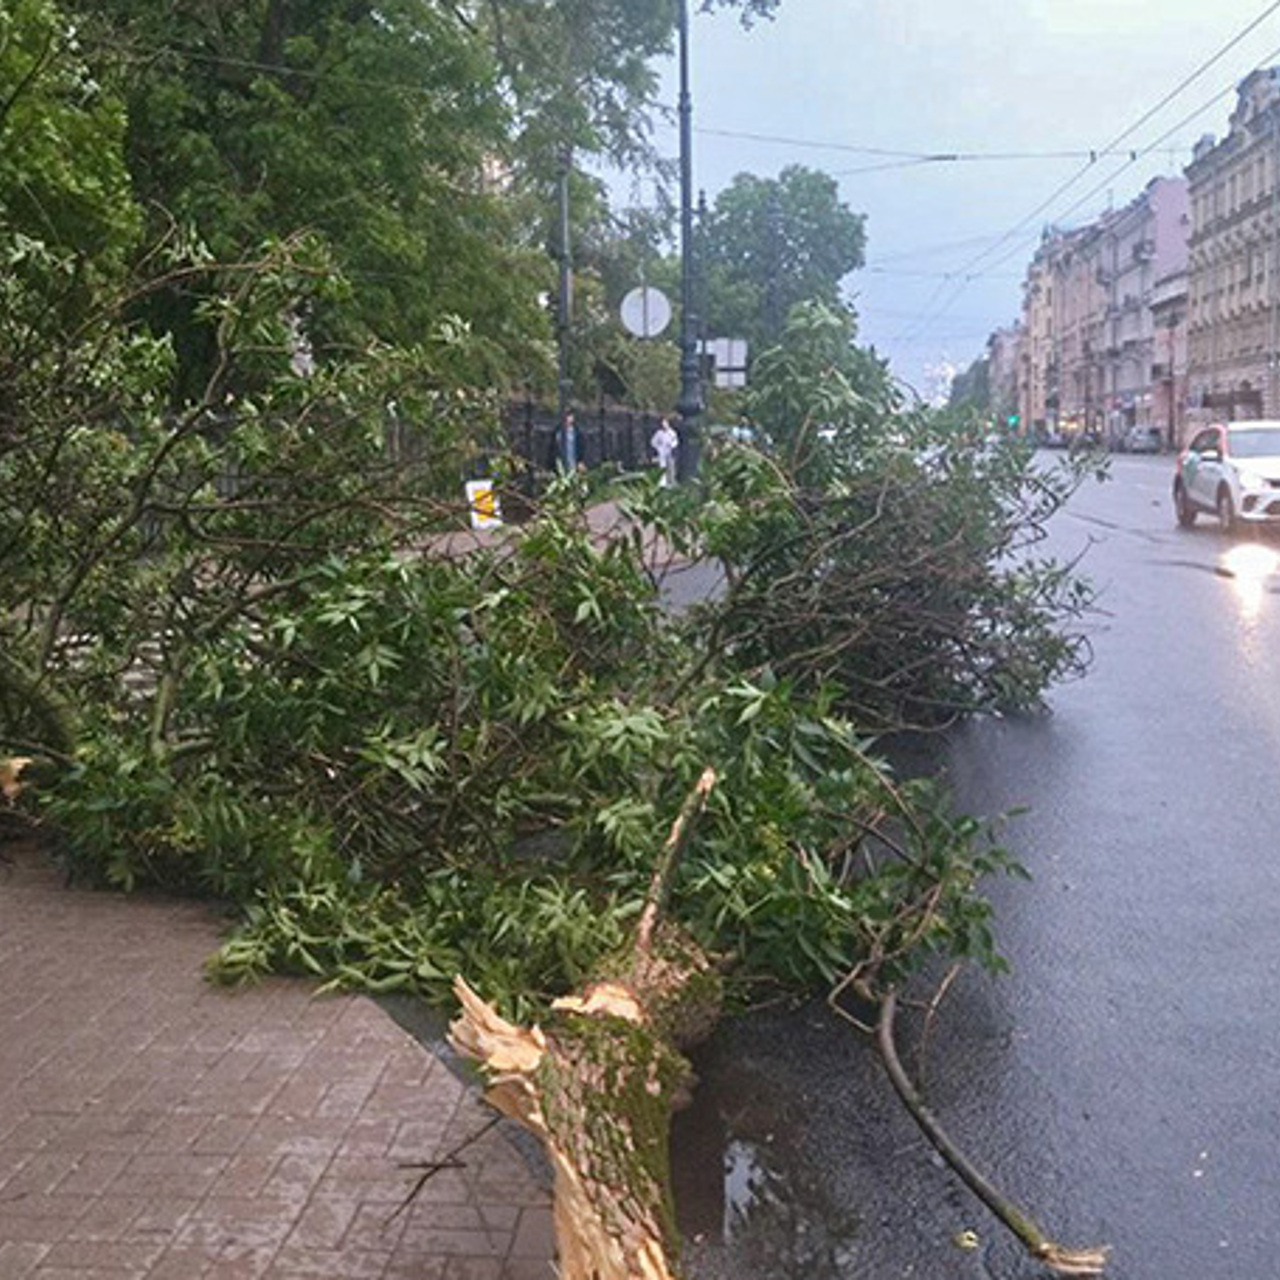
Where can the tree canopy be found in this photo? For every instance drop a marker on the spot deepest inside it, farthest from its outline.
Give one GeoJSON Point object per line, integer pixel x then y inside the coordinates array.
{"type": "Point", "coordinates": [770, 243]}
{"type": "Point", "coordinates": [381, 133]}
{"type": "Point", "coordinates": [972, 388]}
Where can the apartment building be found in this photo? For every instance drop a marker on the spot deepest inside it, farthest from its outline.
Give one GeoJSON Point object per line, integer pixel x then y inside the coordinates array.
{"type": "Point", "coordinates": [1077, 303]}
{"type": "Point", "coordinates": [1233, 293]}
{"type": "Point", "coordinates": [1037, 403]}
{"type": "Point", "coordinates": [1144, 242]}
{"type": "Point", "coordinates": [1169, 359]}
{"type": "Point", "coordinates": [1090, 340]}
{"type": "Point", "coordinates": [1003, 348]}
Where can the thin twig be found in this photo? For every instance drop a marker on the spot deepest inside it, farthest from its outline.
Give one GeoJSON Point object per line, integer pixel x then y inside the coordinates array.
{"type": "Point", "coordinates": [681, 829]}
{"type": "Point", "coordinates": [447, 1161]}
{"type": "Point", "coordinates": [930, 1013]}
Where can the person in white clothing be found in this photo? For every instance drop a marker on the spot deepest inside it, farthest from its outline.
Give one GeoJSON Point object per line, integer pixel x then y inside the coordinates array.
{"type": "Point", "coordinates": [664, 442]}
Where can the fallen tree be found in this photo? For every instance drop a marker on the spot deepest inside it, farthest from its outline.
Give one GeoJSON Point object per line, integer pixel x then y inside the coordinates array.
{"type": "Point", "coordinates": [233, 672]}
{"type": "Point", "coordinates": [599, 1083]}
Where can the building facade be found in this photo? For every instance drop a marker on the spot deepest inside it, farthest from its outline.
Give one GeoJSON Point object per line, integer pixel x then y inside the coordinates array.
{"type": "Point", "coordinates": [1003, 350]}
{"type": "Point", "coordinates": [1233, 287]}
{"type": "Point", "coordinates": [1169, 384]}
{"type": "Point", "coordinates": [1090, 342]}
{"type": "Point", "coordinates": [1037, 405]}
{"type": "Point", "coordinates": [1144, 242]}
{"type": "Point", "coordinates": [1077, 298]}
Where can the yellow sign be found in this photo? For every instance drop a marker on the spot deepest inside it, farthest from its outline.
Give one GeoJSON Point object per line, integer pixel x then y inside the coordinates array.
{"type": "Point", "coordinates": [482, 500]}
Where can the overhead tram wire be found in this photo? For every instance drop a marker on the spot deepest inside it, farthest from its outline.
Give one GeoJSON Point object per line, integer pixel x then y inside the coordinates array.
{"type": "Point", "coordinates": [1061, 190]}
{"type": "Point", "coordinates": [929, 250]}
{"type": "Point", "coordinates": [925, 157]}
{"type": "Point", "coordinates": [1145, 151]}
{"type": "Point", "coordinates": [1021, 245]}
{"type": "Point", "coordinates": [939, 275]}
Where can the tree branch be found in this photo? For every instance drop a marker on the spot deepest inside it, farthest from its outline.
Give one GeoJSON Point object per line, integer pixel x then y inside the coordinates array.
{"type": "Point", "coordinates": [1065, 1262]}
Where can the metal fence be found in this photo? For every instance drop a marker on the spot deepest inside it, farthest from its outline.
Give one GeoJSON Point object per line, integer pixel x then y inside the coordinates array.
{"type": "Point", "coordinates": [618, 436]}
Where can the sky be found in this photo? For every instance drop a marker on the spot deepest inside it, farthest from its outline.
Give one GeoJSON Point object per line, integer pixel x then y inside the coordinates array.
{"type": "Point", "coordinates": [832, 84]}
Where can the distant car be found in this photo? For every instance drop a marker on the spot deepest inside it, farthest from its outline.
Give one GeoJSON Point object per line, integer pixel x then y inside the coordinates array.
{"type": "Point", "coordinates": [1142, 440]}
{"type": "Point", "coordinates": [1231, 470]}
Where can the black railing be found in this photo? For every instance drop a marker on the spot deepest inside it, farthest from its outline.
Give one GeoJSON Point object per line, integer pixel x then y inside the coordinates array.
{"type": "Point", "coordinates": [617, 436]}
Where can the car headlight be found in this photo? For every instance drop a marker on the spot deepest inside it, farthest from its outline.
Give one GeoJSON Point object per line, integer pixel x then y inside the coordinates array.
{"type": "Point", "coordinates": [1251, 480]}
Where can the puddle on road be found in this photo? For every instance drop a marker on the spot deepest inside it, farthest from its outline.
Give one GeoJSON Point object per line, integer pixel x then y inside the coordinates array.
{"type": "Point", "coordinates": [749, 1208]}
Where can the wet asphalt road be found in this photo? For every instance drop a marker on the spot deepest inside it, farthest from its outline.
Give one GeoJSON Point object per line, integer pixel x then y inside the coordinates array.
{"type": "Point", "coordinates": [1123, 1082]}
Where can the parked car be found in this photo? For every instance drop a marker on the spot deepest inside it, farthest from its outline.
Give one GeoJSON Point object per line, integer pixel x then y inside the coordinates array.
{"type": "Point", "coordinates": [1142, 440]}
{"type": "Point", "coordinates": [1231, 470]}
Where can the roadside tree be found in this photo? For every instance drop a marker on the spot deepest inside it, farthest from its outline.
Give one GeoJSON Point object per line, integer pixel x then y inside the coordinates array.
{"type": "Point", "coordinates": [770, 243]}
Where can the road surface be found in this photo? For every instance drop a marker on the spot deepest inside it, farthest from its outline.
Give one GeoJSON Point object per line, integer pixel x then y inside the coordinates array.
{"type": "Point", "coordinates": [1123, 1082]}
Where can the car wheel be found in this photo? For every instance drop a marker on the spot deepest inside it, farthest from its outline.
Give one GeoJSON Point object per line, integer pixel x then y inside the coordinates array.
{"type": "Point", "coordinates": [1182, 505]}
{"type": "Point", "coordinates": [1226, 510]}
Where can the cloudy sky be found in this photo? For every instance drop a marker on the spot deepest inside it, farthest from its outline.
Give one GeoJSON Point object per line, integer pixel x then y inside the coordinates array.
{"type": "Point", "coordinates": [835, 84]}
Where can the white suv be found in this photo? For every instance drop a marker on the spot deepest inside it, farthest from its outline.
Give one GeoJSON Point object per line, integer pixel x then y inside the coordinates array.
{"type": "Point", "coordinates": [1233, 471]}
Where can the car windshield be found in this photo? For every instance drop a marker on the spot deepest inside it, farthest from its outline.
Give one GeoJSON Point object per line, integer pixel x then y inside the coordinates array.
{"type": "Point", "coordinates": [1255, 442]}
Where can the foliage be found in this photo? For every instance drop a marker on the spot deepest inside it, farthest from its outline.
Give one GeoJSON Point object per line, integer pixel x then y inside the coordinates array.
{"type": "Point", "coordinates": [235, 619]}
{"type": "Point", "coordinates": [809, 862]}
{"type": "Point", "coordinates": [401, 761]}
{"type": "Point", "coordinates": [63, 184]}
{"type": "Point", "coordinates": [133, 534]}
{"type": "Point", "coordinates": [972, 388]}
{"type": "Point", "coordinates": [403, 764]}
{"type": "Point", "coordinates": [580, 73]}
{"type": "Point", "coordinates": [369, 131]}
{"type": "Point", "coordinates": [883, 548]}
{"type": "Point", "coordinates": [771, 243]}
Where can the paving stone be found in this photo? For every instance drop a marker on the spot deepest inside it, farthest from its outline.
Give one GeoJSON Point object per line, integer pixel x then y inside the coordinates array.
{"type": "Point", "coordinates": [153, 1127]}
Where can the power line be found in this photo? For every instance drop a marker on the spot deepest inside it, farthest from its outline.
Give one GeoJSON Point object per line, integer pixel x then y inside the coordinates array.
{"type": "Point", "coordinates": [1106, 182]}
{"type": "Point", "coordinates": [779, 140]}
{"type": "Point", "coordinates": [1025, 243]}
{"type": "Point", "coordinates": [942, 275]}
{"type": "Point", "coordinates": [945, 247]}
{"type": "Point", "coordinates": [1061, 190]}
{"type": "Point", "coordinates": [939, 156]}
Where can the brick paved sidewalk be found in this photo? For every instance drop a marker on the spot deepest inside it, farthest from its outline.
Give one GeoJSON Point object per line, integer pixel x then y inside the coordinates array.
{"type": "Point", "coordinates": [153, 1127]}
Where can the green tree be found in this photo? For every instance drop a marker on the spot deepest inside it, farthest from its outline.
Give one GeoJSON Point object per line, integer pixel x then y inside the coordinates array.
{"type": "Point", "coordinates": [770, 243]}
{"type": "Point", "coordinates": [380, 132]}
{"type": "Point", "coordinates": [581, 73]}
{"type": "Point", "coordinates": [972, 388]}
{"type": "Point", "coordinates": [64, 187]}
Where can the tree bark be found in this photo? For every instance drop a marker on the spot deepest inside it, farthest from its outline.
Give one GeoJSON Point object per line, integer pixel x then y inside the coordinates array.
{"type": "Point", "coordinates": [599, 1084]}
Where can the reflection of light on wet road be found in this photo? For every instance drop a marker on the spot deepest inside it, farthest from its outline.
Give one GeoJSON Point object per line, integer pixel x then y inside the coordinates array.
{"type": "Point", "coordinates": [1249, 566]}
{"type": "Point", "coordinates": [745, 1181]}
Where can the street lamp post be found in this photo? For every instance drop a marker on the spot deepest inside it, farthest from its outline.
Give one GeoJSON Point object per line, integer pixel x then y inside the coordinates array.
{"type": "Point", "coordinates": [566, 432]}
{"type": "Point", "coordinates": [690, 405]}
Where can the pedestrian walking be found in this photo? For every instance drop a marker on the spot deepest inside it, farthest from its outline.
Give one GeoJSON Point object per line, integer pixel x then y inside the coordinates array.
{"type": "Point", "coordinates": [664, 442]}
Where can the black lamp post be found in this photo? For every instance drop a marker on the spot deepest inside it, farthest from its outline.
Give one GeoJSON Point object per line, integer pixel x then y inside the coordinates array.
{"type": "Point", "coordinates": [690, 405]}
{"type": "Point", "coordinates": [566, 432]}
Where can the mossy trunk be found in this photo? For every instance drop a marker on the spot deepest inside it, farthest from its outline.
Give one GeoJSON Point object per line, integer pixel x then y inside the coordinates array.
{"type": "Point", "coordinates": [598, 1086]}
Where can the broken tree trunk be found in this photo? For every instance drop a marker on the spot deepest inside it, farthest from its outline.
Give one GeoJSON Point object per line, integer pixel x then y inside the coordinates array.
{"type": "Point", "coordinates": [598, 1084]}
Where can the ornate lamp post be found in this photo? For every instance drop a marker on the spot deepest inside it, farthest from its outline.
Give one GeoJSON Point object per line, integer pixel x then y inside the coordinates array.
{"type": "Point", "coordinates": [690, 406]}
